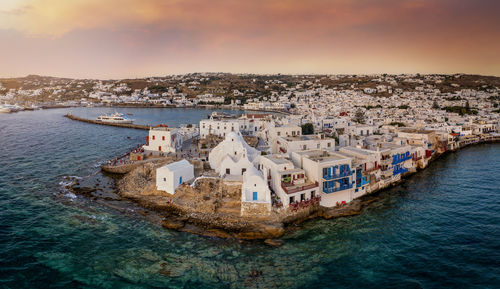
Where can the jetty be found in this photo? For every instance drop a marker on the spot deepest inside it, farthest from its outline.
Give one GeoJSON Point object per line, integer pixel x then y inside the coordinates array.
{"type": "Point", "coordinates": [125, 125]}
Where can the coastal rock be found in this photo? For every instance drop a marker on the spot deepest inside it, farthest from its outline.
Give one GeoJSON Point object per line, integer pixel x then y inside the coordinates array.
{"type": "Point", "coordinates": [274, 242]}
{"type": "Point", "coordinates": [173, 223]}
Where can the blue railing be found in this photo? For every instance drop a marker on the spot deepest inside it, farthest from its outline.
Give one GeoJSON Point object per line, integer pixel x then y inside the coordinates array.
{"type": "Point", "coordinates": [401, 159]}
{"type": "Point", "coordinates": [336, 176]}
{"type": "Point", "coordinates": [333, 190]}
{"type": "Point", "coordinates": [399, 171]}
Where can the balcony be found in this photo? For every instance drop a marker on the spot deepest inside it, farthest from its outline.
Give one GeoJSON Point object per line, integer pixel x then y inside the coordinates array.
{"type": "Point", "coordinates": [337, 176]}
{"type": "Point", "coordinates": [401, 159]}
{"type": "Point", "coordinates": [398, 171]}
{"type": "Point", "coordinates": [372, 170]}
{"type": "Point", "coordinates": [290, 188]}
{"type": "Point", "coordinates": [337, 189]}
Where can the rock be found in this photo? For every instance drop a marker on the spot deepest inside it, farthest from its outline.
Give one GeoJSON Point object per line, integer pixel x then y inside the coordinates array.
{"type": "Point", "coordinates": [172, 223]}
{"type": "Point", "coordinates": [274, 242]}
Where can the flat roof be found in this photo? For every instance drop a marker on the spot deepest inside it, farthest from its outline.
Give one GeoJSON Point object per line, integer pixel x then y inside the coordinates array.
{"type": "Point", "coordinates": [358, 150]}
{"type": "Point", "coordinates": [278, 160]}
{"type": "Point", "coordinates": [323, 155]}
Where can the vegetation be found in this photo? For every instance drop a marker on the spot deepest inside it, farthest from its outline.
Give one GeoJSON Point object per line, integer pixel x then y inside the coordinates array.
{"type": "Point", "coordinates": [403, 106]}
{"type": "Point", "coordinates": [307, 128]}
{"type": "Point", "coordinates": [435, 105]}
{"type": "Point", "coordinates": [359, 117]}
{"type": "Point", "coordinates": [397, 123]}
{"type": "Point", "coordinates": [461, 110]}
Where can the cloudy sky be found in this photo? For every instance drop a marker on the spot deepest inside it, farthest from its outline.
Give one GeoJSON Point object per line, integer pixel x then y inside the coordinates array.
{"type": "Point", "coordinates": [137, 38]}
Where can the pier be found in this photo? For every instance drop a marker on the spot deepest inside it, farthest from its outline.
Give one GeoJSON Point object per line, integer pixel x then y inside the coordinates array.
{"type": "Point", "coordinates": [125, 125]}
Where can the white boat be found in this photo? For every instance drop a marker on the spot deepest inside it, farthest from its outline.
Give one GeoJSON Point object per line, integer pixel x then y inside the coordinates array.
{"type": "Point", "coordinates": [115, 118]}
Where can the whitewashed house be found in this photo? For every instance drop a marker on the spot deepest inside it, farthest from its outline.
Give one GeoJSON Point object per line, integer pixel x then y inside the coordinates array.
{"type": "Point", "coordinates": [233, 156]}
{"type": "Point", "coordinates": [255, 193]}
{"type": "Point", "coordinates": [171, 176]}
{"type": "Point", "coordinates": [163, 140]}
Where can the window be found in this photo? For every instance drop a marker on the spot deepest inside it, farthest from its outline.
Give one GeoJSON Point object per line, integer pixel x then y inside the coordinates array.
{"type": "Point", "coordinates": [279, 133]}
{"type": "Point", "coordinates": [153, 137]}
{"type": "Point", "coordinates": [329, 144]}
{"type": "Point", "coordinates": [313, 194]}
{"type": "Point", "coordinates": [303, 197]}
{"type": "Point", "coordinates": [228, 171]}
{"type": "Point", "coordinates": [180, 180]}
{"type": "Point", "coordinates": [254, 197]}
{"type": "Point", "coordinates": [163, 138]}
{"type": "Point", "coordinates": [292, 200]}
{"type": "Point", "coordinates": [164, 179]}
{"type": "Point", "coordinates": [243, 171]}
{"type": "Point", "coordinates": [159, 148]}
{"type": "Point", "coordinates": [304, 147]}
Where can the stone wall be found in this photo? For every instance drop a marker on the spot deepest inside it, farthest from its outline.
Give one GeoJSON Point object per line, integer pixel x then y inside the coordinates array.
{"type": "Point", "coordinates": [250, 209]}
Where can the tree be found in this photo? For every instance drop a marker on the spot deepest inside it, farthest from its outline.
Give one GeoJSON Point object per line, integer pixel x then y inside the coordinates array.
{"type": "Point", "coordinates": [292, 105]}
{"type": "Point", "coordinates": [359, 117]}
{"type": "Point", "coordinates": [307, 128]}
{"type": "Point", "coordinates": [435, 105]}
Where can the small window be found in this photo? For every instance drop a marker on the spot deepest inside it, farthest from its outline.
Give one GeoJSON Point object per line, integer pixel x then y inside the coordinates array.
{"type": "Point", "coordinates": [163, 137]}
{"type": "Point", "coordinates": [292, 200]}
{"type": "Point", "coordinates": [180, 180]}
{"type": "Point", "coordinates": [313, 194]}
{"type": "Point", "coordinates": [254, 197]}
{"type": "Point", "coordinates": [153, 137]}
{"type": "Point", "coordinates": [243, 171]}
{"type": "Point", "coordinates": [164, 179]}
{"type": "Point", "coordinates": [228, 171]}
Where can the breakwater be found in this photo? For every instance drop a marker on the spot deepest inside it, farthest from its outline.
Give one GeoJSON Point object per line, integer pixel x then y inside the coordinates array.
{"type": "Point", "coordinates": [125, 125]}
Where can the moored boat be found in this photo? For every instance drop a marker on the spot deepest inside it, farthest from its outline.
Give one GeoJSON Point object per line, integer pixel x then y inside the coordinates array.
{"type": "Point", "coordinates": [114, 118]}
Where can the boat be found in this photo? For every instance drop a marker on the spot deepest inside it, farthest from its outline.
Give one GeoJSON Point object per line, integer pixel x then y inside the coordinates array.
{"type": "Point", "coordinates": [114, 118]}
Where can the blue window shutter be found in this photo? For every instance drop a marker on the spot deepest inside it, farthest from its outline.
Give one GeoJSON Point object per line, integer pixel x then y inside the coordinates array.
{"type": "Point", "coordinates": [255, 196]}
{"type": "Point", "coordinates": [180, 180]}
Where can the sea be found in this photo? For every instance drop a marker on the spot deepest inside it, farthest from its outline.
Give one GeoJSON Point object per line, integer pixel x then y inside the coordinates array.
{"type": "Point", "coordinates": [439, 229]}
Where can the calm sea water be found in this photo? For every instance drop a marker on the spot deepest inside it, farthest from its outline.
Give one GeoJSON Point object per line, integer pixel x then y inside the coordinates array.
{"type": "Point", "coordinates": [440, 229]}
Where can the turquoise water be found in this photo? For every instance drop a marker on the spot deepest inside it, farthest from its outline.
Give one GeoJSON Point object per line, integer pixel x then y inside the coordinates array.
{"type": "Point", "coordinates": [439, 229]}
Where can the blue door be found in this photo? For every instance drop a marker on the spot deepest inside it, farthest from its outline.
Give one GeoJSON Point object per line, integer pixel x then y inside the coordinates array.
{"type": "Point", "coordinates": [254, 196]}
{"type": "Point", "coordinates": [180, 180]}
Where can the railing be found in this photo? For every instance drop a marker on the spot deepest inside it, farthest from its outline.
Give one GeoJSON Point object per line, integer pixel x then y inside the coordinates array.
{"type": "Point", "coordinates": [333, 190]}
{"type": "Point", "coordinates": [289, 190]}
{"type": "Point", "coordinates": [401, 159]}
{"type": "Point", "coordinates": [295, 206]}
{"type": "Point", "coordinates": [372, 169]}
{"type": "Point", "coordinates": [400, 171]}
{"type": "Point", "coordinates": [336, 176]}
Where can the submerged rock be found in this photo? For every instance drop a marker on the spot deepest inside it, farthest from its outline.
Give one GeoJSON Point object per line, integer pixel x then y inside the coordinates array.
{"type": "Point", "coordinates": [274, 242]}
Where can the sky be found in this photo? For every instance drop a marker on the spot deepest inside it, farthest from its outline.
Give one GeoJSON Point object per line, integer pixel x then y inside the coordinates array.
{"type": "Point", "coordinates": [107, 39]}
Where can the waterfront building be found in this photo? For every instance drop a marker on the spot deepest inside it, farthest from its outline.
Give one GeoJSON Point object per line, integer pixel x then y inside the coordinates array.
{"type": "Point", "coordinates": [171, 176]}
{"type": "Point", "coordinates": [332, 171]}
{"type": "Point", "coordinates": [255, 193]}
{"type": "Point", "coordinates": [367, 169]}
{"type": "Point", "coordinates": [288, 182]}
{"type": "Point", "coordinates": [162, 140]}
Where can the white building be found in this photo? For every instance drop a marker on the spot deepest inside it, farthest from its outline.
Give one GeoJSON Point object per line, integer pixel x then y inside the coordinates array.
{"type": "Point", "coordinates": [163, 140]}
{"type": "Point", "coordinates": [171, 176]}
{"type": "Point", "coordinates": [289, 144]}
{"type": "Point", "coordinates": [233, 156]}
{"type": "Point", "coordinates": [218, 127]}
{"type": "Point", "coordinates": [288, 182]}
{"type": "Point", "coordinates": [255, 193]}
{"type": "Point", "coordinates": [333, 173]}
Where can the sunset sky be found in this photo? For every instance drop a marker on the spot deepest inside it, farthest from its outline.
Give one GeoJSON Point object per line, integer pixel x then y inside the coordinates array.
{"type": "Point", "coordinates": [129, 38]}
